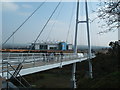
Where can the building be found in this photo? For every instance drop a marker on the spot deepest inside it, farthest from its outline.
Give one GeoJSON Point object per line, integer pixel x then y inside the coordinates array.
{"type": "Point", "coordinates": [52, 46]}
{"type": "Point", "coordinates": [69, 47]}
{"type": "Point", "coordinates": [62, 46]}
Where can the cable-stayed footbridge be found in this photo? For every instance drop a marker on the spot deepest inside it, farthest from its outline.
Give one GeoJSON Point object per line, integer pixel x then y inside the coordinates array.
{"type": "Point", "coordinates": [16, 65]}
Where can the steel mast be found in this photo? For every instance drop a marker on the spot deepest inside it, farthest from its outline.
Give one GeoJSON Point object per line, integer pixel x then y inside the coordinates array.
{"type": "Point", "coordinates": [75, 48]}
{"type": "Point", "coordinates": [88, 36]}
{"type": "Point", "coordinates": [89, 45]}
{"type": "Point", "coordinates": [75, 43]}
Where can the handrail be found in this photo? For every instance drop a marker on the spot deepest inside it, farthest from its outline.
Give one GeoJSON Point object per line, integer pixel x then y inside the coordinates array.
{"type": "Point", "coordinates": [35, 56]}
{"type": "Point", "coordinates": [39, 59]}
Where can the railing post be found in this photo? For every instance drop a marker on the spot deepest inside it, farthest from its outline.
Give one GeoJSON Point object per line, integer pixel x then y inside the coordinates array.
{"type": "Point", "coordinates": [7, 76]}
{"type": "Point", "coordinates": [2, 66]}
{"type": "Point", "coordinates": [61, 61]}
{"type": "Point", "coordinates": [33, 58]}
{"type": "Point", "coordinates": [8, 57]}
{"type": "Point", "coordinates": [69, 56]}
{"type": "Point", "coordinates": [45, 58]}
{"type": "Point", "coordinates": [65, 55]}
{"type": "Point", "coordinates": [18, 57]}
{"type": "Point", "coordinates": [40, 56]}
{"type": "Point", "coordinates": [22, 57]}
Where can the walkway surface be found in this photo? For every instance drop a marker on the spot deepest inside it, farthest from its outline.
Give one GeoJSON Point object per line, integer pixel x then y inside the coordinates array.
{"type": "Point", "coordinates": [36, 62]}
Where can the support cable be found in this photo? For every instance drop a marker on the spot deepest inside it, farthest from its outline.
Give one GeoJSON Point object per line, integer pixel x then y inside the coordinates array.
{"type": "Point", "coordinates": [70, 23]}
{"type": "Point", "coordinates": [43, 28]}
{"type": "Point", "coordinates": [24, 22]}
{"type": "Point", "coordinates": [76, 28]}
{"type": "Point", "coordinates": [46, 23]}
{"type": "Point", "coordinates": [54, 23]}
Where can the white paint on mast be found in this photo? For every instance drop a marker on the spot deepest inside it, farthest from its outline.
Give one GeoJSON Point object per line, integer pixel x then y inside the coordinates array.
{"type": "Point", "coordinates": [89, 45]}
{"type": "Point", "coordinates": [75, 48]}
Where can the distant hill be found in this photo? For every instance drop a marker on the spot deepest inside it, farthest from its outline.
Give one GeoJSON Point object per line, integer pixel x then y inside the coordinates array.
{"type": "Point", "coordinates": [82, 47]}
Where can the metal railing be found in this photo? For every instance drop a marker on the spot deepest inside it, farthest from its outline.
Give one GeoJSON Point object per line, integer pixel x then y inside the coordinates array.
{"type": "Point", "coordinates": [12, 57]}
{"type": "Point", "coordinates": [30, 60]}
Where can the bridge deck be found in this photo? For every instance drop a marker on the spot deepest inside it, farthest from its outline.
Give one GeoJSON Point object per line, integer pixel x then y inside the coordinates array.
{"type": "Point", "coordinates": [38, 62]}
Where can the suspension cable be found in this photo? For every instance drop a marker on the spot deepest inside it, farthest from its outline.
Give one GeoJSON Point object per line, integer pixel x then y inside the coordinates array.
{"type": "Point", "coordinates": [54, 23]}
{"type": "Point", "coordinates": [47, 22]}
{"type": "Point", "coordinates": [70, 23]}
{"type": "Point", "coordinates": [42, 29]}
{"type": "Point", "coordinates": [23, 22]}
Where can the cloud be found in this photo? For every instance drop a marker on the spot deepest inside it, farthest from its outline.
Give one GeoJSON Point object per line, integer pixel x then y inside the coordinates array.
{"type": "Point", "coordinates": [24, 13]}
{"type": "Point", "coordinates": [10, 6]}
{"type": "Point", "coordinates": [56, 21]}
{"type": "Point", "coordinates": [26, 6]}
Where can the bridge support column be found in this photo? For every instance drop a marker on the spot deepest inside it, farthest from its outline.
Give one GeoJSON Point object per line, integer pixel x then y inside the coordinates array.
{"type": "Point", "coordinates": [89, 43]}
{"type": "Point", "coordinates": [73, 80]}
{"type": "Point", "coordinates": [90, 69]}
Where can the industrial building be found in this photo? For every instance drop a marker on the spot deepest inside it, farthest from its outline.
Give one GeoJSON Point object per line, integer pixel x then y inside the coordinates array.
{"type": "Point", "coordinates": [52, 46]}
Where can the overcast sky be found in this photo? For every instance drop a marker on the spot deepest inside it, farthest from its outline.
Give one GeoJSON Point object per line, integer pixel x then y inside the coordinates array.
{"type": "Point", "coordinates": [14, 13]}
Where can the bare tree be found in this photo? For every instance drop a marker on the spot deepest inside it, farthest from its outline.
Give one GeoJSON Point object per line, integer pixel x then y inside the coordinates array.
{"type": "Point", "coordinates": [109, 12]}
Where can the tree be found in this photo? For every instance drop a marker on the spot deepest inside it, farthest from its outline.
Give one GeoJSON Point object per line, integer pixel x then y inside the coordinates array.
{"type": "Point", "coordinates": [109, 12]}
{"type": "Point", "coordinates": [111, 44]}
{"type": "Point", "coordinates": [115, 48]}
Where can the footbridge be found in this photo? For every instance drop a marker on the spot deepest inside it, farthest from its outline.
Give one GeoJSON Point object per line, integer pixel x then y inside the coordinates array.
{"type": "Point", "coordinates": [36, 62]}
{"type": "Point", "coordinates": [15, 65]}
